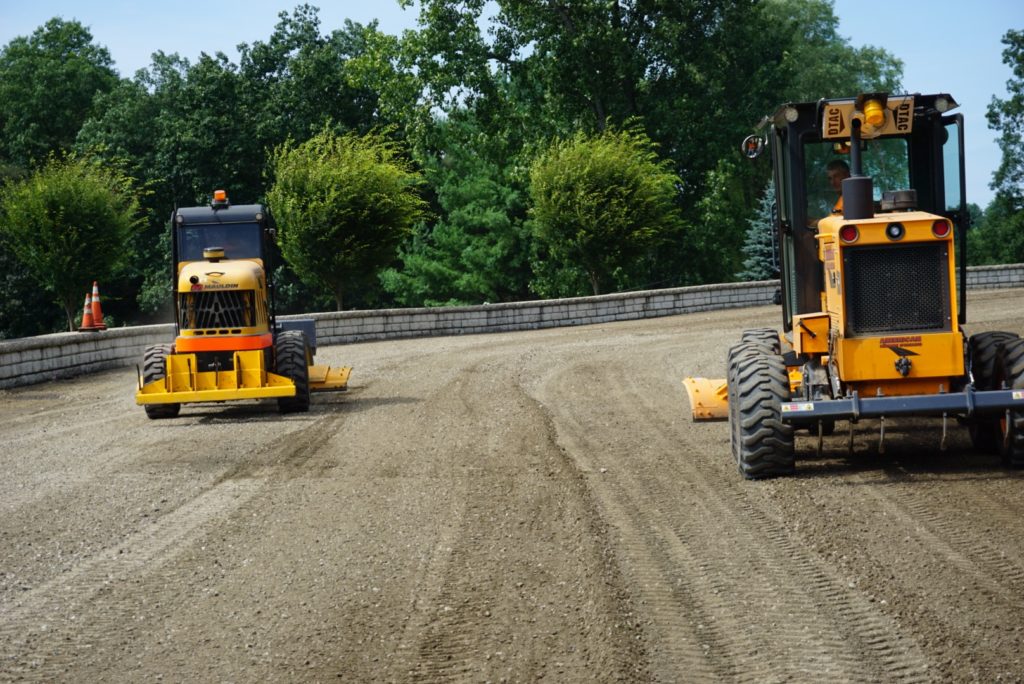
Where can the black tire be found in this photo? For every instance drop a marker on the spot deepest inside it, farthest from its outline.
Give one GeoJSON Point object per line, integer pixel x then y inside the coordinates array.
{"type": "Point", "coordinates": [291, 361]}
{"type": "Point", "coordinates": [738, 356]}
{"type": "Point", "coordinates": [769, 337]}
{"type": "Point", "coordinates": [1010, 369]}
{"type": "Point", "coordinates": [762, 442]}
{"type": "Point", "coordinates": [758, 384]}
{"type": "Point", "coordinates": [983, 348]}
{"type": "Point", "coordinates": [154, 367]}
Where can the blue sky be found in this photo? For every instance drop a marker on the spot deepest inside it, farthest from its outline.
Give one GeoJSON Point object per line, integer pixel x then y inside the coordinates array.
{"type": "Point", "coordinates": [946, 45]}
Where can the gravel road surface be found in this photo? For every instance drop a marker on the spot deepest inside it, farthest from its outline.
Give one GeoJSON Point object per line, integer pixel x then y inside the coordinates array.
{"type": "Point", "coordinates": [508, 507]}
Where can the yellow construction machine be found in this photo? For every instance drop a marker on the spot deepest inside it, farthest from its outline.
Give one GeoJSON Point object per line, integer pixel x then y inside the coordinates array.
{"type": "Point", "coordinates": [229, 344]}
{"type": "Point", "coordinates": [873, 288]}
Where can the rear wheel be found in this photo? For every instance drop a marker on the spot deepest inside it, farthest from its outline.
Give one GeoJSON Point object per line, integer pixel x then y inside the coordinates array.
{"type": "Point", "coordinates": [758, 385]}
{"type": "Point", "coordinates": [290, 353]}
{"type": "Point", "coordinates": [1010, 369]}
{"type": "Point", "coordinates": [154, 367]}
{"type": "Point", "coordinates": [986, 433]}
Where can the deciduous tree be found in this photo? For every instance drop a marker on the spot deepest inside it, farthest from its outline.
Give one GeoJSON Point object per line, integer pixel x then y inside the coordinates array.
{"type": "Point", "coordinates": [600, 202]}
{"type": "Point", "coordinates": [69, 223]}
{"type": "Point", "coordinates": [343, 203]}
{"type": "Point", "coordinates": [1000, 239]}
{"type": "Point", "coordinates": [48, 82]}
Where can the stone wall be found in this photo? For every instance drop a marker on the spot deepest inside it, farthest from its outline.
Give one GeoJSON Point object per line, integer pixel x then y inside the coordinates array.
{"type": "Point", "coordinates": [48, 357]}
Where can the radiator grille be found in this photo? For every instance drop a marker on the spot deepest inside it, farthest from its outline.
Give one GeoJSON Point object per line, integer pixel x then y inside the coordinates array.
{"type": "Point", "coordinates": [217, 309]}
{"type": "Point", "coordinates": [897, 288]}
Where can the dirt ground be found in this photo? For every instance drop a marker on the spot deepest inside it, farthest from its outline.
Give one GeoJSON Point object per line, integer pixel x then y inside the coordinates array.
{"type": "Point", "coordinates": [509, 507]}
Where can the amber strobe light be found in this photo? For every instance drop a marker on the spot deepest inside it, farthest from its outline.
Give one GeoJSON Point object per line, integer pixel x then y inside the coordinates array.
{"type": "Point", "coordinates": [874, 113]}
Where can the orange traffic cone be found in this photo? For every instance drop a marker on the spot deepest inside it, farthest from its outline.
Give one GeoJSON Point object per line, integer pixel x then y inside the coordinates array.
{"type": "Point", "coordinates": [97, 312]}
{"type": "Point", "coordinates": [87, 324]}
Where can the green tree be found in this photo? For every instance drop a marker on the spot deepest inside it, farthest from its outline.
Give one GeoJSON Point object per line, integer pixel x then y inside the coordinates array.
{"type": "Point", "coordinates": [478, 249]}
{"type": "Point", "coordinates": [818, 62]}
{"type": "Point", "coordinates": [343, 204]}
{"type": "Point", "coordinates": [1000, 237]}
{"type": "Point", "coordinates": [190, 127]}
{"type": "Point", "coordinates": [298, 80]}
{"type": "Point", "coordinates": [70, 223]}
{"type": "Point", "coordinates": [759, 245]}
{"type": "Point", "coordinates": [600, 203]}
{"type": "Point", "coordinates": [542, 69]}
{"type": "Point", "coordinates": [48, 82]}
{"type": "Point", "coordinates": [1007, 117]}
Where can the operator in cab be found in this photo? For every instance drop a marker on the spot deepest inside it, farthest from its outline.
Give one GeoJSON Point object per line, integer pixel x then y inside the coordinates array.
{"type": "Point", "coordinates": [836, 171]}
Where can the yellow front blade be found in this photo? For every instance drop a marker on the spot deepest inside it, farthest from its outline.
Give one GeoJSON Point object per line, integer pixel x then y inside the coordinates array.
{"type": "Point", "coordinates": [327, 379]}
{"type": "Point", "coordinates": [709, 398]}
{"type": "Point", "coordinates": [184, 384]}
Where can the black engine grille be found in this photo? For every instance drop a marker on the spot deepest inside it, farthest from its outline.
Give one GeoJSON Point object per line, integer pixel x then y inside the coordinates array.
{"type": "Point", "coordinates": [217, 309]}
{"type": "Point", "coordinates": [892, 288]}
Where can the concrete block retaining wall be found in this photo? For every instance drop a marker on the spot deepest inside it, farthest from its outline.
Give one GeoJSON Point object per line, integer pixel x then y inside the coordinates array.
{"type": "Point", "coordinates": [357, 326]}
{"type": "Point", "coordinates": [48, 357]}
{"type": "Point", "coordinates": [28, 360]}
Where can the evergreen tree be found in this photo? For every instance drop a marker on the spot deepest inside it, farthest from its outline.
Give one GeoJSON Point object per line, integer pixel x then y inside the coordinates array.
{"type": "Point", "coordinates": [759, 245]}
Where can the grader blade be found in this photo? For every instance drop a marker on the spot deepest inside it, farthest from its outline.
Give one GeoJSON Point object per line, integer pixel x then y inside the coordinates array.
{"type": "Point", "coordinates": [327, 379]}
{"type": "Point", "coordinates": [708, 398]}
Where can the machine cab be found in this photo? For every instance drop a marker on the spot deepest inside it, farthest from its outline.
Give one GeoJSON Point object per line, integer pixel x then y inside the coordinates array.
{"type": "Point", "coordinates": [241, 231]}
{"type": "Point", "coordinates": [221, 282]}
{"type": "Point", "coordinates": [914, 156]}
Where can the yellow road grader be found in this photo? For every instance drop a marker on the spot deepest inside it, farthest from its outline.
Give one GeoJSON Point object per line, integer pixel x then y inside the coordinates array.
{"type": "Point", "coordinates": [873, 289]}
{"type": "Point", "coordinates": [229, 343]}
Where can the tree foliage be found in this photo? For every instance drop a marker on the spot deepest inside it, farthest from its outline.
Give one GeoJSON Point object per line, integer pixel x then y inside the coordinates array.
{"type": "Point", "coordinates": [47, 84]}
{"type": "Point", "coordinates": [1000, 237]}
{"type": "Point", "coordinates": [343, 204]}
{"type": "Point", "coordinates": [601, 202]}
{"type": "Point", "coordinates": [1007, 117]}
{"type": "Point", "coordinates": [478, 249]}
{"type": "Point", "coordinates": [68, 224]}
{"type": "Point", "coordinates": [474, 94]}
{"type": "Point", "coordinates": [759, 261]}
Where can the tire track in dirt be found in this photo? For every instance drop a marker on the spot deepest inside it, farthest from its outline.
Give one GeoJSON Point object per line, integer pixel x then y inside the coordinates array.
{"type": "Point", "coordinates": [876, 633]}
{"type": "Point", "coordinates": [497, 612]}
{"type": "Point", "coordinates": [826, 630]}
{"type": "Point", "coordinates": [974, 592]}
{"type": "Point", "coordinates": [997, 569]}
{"type": "Point", "coordinates": [446, 629]}
{"type": "Point", "coordinates": [44, 631]}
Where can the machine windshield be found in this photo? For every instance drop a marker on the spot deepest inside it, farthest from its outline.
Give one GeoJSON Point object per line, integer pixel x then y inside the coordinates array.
{"type": "Point", "coordinates": [239, 240]}
{"type": "Point", "coordinates": [886, 160]}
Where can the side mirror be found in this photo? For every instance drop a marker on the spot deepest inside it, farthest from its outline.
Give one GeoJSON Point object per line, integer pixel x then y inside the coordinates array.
{"type": "Point", "coordinates": [752, 147]}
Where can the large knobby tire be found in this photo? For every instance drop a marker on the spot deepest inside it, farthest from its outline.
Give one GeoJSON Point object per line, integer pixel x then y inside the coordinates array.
{"type": "Point", "coordinates": [983, 348]}
{"type": "Point", "coordinates": [737, 355]}
{"type": "Point", "coordinates": [768, 337]}
{"type": "Point", "coordinates": [291, 362]}
{"type": "Point", "coordinates": [154, 367]}
{"type": "Point", "coordinates": [1010, 369]}
{"type": "Point", "coordinates": [758, 385]}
